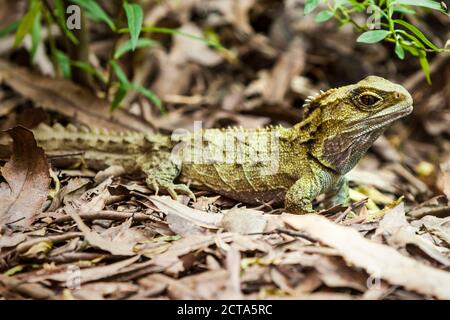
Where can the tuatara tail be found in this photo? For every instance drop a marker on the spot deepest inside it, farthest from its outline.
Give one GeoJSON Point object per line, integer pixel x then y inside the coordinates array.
{"type": "Point", "coordinates": [73, 139]}
{"type": "Point", "coordinates": [71, 146]}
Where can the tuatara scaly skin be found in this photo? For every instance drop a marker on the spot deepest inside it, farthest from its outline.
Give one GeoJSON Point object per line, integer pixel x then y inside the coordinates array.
{"type": "Point", "coordinates": [254, 166]}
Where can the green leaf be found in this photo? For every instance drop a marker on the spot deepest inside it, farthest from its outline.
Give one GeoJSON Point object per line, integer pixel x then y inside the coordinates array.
{"type": "Point", "coordinates": [35, 36]}
{"type": "Point", "coordinates": [210, 42]}
{"type": "Point", "coordinates": [399, 51]}
{"type": "Point", "coordinates": [310, 5]}
{"type": "Point", "coordinates": [404, 10]}
{"type": "Point", "coordinates": [150, 95]}
{"type": "Point", "coordinates": [414, 51]}
{"type": "Point", "coordinates": [425, 66]}
{"type": "Point", "coordinates": [59, 10]}
{"type": "Point", "coordinates": [95, 11]}
{"type": "Point", "coordinates": [60, 14]}
{"type": "Point", "coordinates": [89, 69]}
{"type": "Point", "coordinates": [64, 64]}
{"type": "Point", "coordinates": [9, 28]}
{"type": "Point", "coordinates": [125, 83]}
{"type": "Point", "coordinates": [323, 16]}
{"type": "Point", "coordinates": [127, 46]}
{"type": "Point", "coordinates": [418, 33]}
{"type": "Point", "coordinates": [341, 3]}
{"type": "Point", "coordinates": [373, 36]}
{"type": "Point", "coordinates": [27, 22]}
{"type": "Point", "coordinates": [414, 41]}
{"type": "Point", "coordinates": [431, 4]}
{"type": "Point", "coordinates": [118, 98]}
{"type": "Point", "coordinates": [123, 79]}
{"type": "Point", "coordinates": [135, 17]}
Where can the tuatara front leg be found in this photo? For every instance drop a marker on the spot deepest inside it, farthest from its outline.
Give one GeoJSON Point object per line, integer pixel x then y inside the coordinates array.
{"type": "Point", "coordinates": [339, 194]}
{"type": "Point", "coordinates": [300, 196]}
{"type": "Point", "coordinates": [161, 172]}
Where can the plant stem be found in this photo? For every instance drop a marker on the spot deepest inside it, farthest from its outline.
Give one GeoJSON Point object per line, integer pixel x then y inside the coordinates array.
{"type": "Point", "coordinates": [117, 36]}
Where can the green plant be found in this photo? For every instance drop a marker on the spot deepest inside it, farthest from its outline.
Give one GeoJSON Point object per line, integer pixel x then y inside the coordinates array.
{"type": "Point", "coordinates": [41, 12]}
{"type": "Point", "coordinates": [393, 27]}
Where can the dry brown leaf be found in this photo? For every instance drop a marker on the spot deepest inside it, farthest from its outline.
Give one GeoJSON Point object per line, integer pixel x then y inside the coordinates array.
{"type": "Point", "coordinates": [32, 290]}
{"type": "Point", "coordinates": [170, 259]}
{"type": "Point", "coordinates": [185, 50]}
{"type": "Point", "coordinates": [184, 220]}
{"type": "Point", "coordinates": [173, 79]}
{"type": "Point", "coordinates": [235, 12]}
{"type": "Point", "coordinates": [175, 289]}
{"type": "Point", "coordinates": [114, 247]}
{"type": "Point", "coordinates": [208, 284]}
{"type": "Point", "coordinates": [105, 290]}
{"type": "Point", "coordinates": [94, 199]}
{"type": "Point", "coordinates": [383, 180]}
{"type": "Point", "coordinates": [233, 264]}
{"type": "Point", "coordinates": [69, 99]}
{"type": "Point", "coordinates": [244, 221]}
{"type": "Point", "coordinates": [397, 232]}
{"type": "Point", "coordinates": [321, 296]}
{"type": "Point", "coordinates": [88, 275]}
{"type": "Point", "coordinates": [203, 203]}
{"type": "Point", "coordinates": [336, 274]}
{"type": "Point", "coordinates": [250, 243]}
{"type": "Point", "coordinates": [438, 227]}
{"type": "Point", "coordinates": [407, 236]}
{"type": "Point", "coordinates": [125, 234]}
{"type": "Point", "coordinates": [332, 271]}
{"type": "Point", "coordinates": [309, 283]}
{"type": "Point", "coordinates": [291, 64]}
{"type": "Point", "coordinates": [27, 180]}
{"type": "Point", "coordinates": [72, 186]}
{"type": "Point", "coordinates": [436, 206]}
{"type": "Point", "coordinates": [378, 260]}
{"type": "Point", "coordinates": [112, 171]}
{"type": "Point", "coordinates": [445, 178]}
{"type": "Point", "coordinates": [392, 221]}
{"type": "Point", "coordinates": [12, 240]}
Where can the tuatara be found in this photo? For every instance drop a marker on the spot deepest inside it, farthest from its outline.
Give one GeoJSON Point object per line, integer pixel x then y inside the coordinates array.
{"type": "Point", "coordinates": [254, 166]}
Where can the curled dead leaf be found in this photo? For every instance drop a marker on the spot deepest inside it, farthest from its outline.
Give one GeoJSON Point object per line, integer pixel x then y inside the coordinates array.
{"type": "Point", "coordinates": [27, 180]}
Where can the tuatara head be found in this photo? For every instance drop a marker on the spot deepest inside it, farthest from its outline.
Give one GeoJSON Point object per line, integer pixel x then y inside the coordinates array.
{"type": "Point", "coordinates": [349, 119]}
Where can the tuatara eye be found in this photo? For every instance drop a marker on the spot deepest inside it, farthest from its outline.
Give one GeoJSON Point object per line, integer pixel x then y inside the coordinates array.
{"type": "Point", "coordinates": [369, 99]}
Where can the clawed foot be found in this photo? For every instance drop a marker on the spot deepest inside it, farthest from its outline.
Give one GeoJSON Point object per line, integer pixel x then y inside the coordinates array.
{"type": "Point", "coordinates": [299, 211]}
{"type": "Point", "coordinates": [301, 207]}
{"type": "Point", "coordinates": [171, 188]}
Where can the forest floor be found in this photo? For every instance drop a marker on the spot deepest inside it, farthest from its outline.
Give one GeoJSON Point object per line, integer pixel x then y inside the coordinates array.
{"type": "Point", "coordinates": [104, 235]}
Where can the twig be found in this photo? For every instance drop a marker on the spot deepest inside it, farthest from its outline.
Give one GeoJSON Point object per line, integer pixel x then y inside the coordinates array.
{"type": "Point", "coordinates": [440, 212]}
{"type": "Point", "coordinates": [288, 232]}
{"type": "Point", "coordinates": [109, 215]}
{"type": "Point", "coordinates": [296, 234]}
{"type": "Point", "coordinates": [57, 21]}
{"type": "Point", "coordinates": [77, 256]}
{"type": "Point", "coordinates": [55, 239]}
